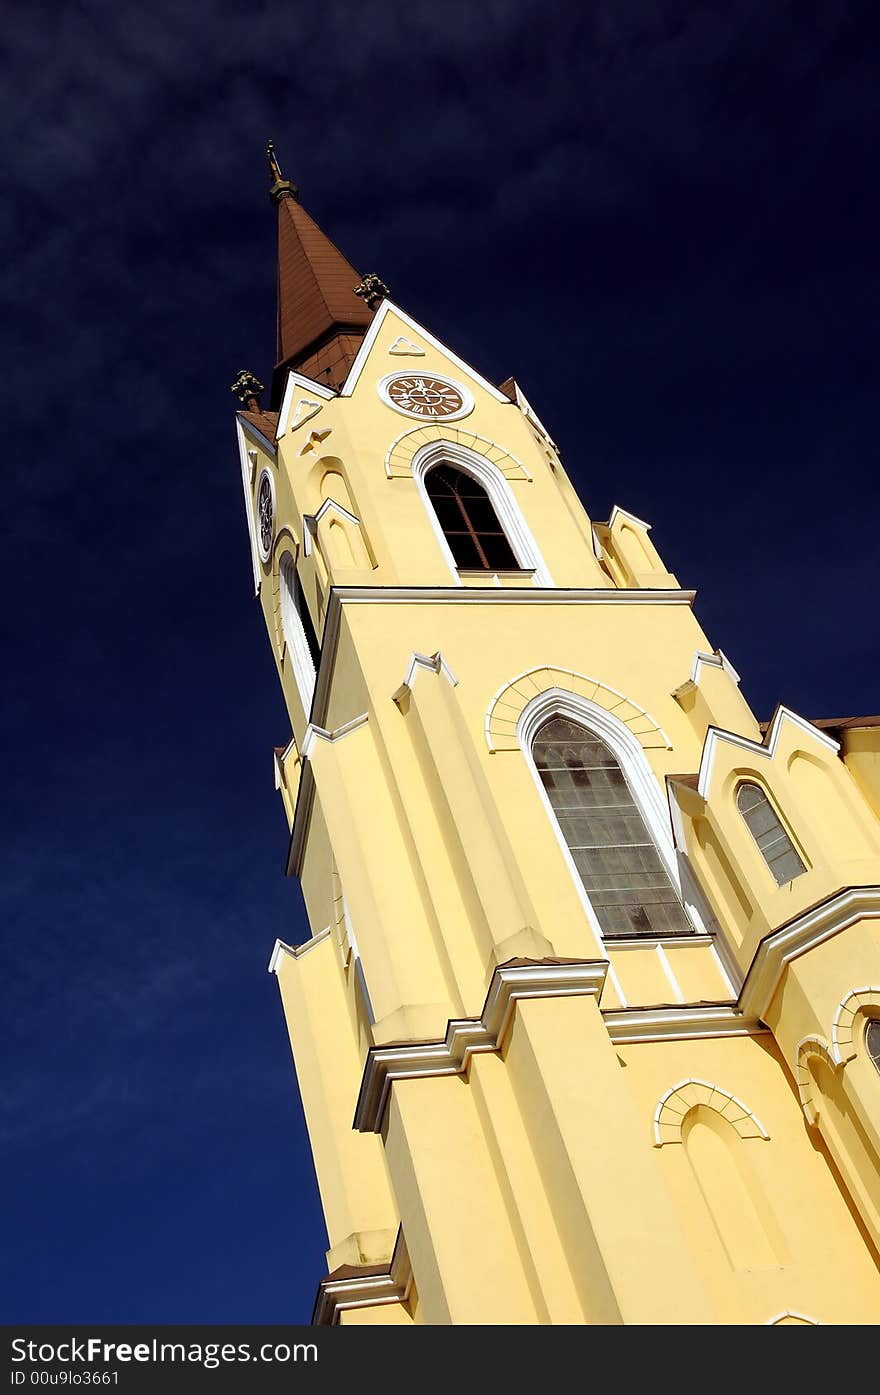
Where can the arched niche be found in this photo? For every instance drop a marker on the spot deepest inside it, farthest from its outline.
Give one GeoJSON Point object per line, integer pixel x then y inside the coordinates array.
{"type": "Point", "coordinates": [736, 1203]}
{"type": "Point", "coordinates": [816, 783]}
{"type": "Point", "coordinates": [846, 1137]}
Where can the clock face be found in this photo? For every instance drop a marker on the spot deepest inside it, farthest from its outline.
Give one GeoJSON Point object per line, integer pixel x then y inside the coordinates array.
{"type": "Point", "coordinates": [425, 396]}
{"type": "Point", "coordinates": [265, 515]}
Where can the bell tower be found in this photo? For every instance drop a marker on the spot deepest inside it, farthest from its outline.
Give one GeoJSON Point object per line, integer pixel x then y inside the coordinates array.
{"type": "Point", "coordinates": [583, 1030]}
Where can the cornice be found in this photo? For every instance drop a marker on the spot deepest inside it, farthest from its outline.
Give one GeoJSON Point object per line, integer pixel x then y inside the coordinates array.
{"type": "Point", "coordinates": [718, 659]}
{"type": "Point", "coordinates": [312, 520]}
{"type": "Point", "coordinates": [469, 1035]}
{"type": "Point", "coordinates": [280, 948]}
{"type": "Point", "coordinates": [341, 596]}
{"type": "Point", "coordinates": [433, 663]}
{"type": "Point", "coordinates": [679, 1023]}
{"type": "Point", "coordinates": [354, 1291]}
{"type": "Point", "coordinates": [367, 1286]}
{"type": "Point", "coordinates": [506, 595]}
{"type": "Point", "coordinates": [777, 950]}
{"type": "Point", "coordinates": [782, 716]}
{"type": "Point", "coordinates": [315, 733]}
{"type": "Point", "coordinates": [618, 512]}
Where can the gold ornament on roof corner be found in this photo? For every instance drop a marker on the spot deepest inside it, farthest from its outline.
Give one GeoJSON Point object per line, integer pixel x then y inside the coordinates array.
{"type": "Point", "coordinates": [371, 290]}
{"type": "Point", "coordinates": [247, 388]}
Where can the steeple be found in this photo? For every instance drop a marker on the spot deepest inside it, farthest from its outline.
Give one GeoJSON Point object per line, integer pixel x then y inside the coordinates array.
{"type": "Point", "coordinates": [577, 933]}
{"type": "Point", "coordinates": [324, 308]}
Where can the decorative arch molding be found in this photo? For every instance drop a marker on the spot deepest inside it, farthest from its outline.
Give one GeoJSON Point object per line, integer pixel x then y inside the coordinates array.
{"type": "Point", "coordinates": [510, 701]}
{"type": "Point", "coordinates": [285, 550]}
{"type": "Point", "coordinates": [644, 784]}
{"type": "Point", "coordinates": [441, 449]}
{"type": "Point", "coordinates": [401, 453]}
{"type": "Point", "coordinates": [843, 1028]}
{"type": "Point", "coordinates": [806, 1048]}
{"type": "Point", "coordinates": [678, 1101]}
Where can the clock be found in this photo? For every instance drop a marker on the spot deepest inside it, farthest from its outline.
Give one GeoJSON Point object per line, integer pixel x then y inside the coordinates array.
{"type": "Point", "coordinates": [425, 396]}
{"type": "Point", "coordinates": [265, 514]}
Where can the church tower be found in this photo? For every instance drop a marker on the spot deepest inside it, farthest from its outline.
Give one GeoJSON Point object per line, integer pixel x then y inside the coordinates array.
{"type": "Point", "coordinates": [588, 1026]}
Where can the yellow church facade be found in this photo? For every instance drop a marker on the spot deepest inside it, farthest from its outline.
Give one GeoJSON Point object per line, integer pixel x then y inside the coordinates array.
{"type": "Point", "coordinates": [588, 1026]}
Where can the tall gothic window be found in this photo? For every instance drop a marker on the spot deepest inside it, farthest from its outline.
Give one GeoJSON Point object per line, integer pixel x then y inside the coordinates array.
{"type": "Point", "coordinates": [623, 874]}
{"type": "Point", "coordinates": [299, 632]}
{"type": "Point", "coordinates": [776, 847]}
{"type": "Point", "coordinates": [470, 524]}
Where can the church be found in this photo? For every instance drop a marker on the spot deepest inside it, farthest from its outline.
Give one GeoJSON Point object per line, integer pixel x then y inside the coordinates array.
{"type": "Point", "coordinates": [587, 1030]}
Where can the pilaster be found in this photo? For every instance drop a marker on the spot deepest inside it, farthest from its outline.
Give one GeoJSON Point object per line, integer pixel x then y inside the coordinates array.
{"type": "Point", "coordinates": [503, 918]}
{"type": "Point", "coordinates": [409, 989]}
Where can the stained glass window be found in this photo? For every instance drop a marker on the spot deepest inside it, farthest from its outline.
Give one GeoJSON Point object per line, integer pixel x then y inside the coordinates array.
{"type": "Point", "coordinates": [618, 862]}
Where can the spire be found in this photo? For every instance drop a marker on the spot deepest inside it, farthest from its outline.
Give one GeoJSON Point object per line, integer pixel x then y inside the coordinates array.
{"type": "Point", "coordinates": [324, 307]}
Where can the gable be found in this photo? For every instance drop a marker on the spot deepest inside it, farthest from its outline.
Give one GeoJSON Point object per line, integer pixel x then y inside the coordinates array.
{"type": "Point", "coordinates": [393, 330]}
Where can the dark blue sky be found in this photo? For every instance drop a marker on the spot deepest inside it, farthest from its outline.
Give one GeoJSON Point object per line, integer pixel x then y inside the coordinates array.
{"type": "Point", "coordinates": [662, 218]}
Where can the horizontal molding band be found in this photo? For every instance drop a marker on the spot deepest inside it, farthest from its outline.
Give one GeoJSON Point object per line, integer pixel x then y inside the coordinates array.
{"type": "Point", "coordinates": [679, 1023]}
{"type": "Point", "coordinates": [467, 1036]}
{"type": "Point", "coordinates": [777, 950]}
{"type": "Point", "coordinates": [502, 595]}
{"type": "Point", "coordinates": [465, 595]}
{"type": "Point", "coordinates": [295, 951]}
{"type": "Point", "coordinates": [365, 1286]}
{"type": "Point", "coordinates": [366, 1291]}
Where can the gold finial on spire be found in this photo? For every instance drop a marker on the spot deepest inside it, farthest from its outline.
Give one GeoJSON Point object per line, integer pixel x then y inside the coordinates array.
{"type": "Point", "coordinates": [274, 167]}
{"type": "Point", "coordinates": [279, 187]}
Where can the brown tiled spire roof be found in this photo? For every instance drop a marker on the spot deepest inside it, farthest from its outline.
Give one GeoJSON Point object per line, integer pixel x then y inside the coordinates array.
{"type": "Point", "coordinates": [321, 322]}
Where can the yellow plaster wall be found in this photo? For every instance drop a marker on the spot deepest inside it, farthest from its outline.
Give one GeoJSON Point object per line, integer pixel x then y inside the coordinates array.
{"type": "Point", "coordinates": [530, 1190]}
{"type": "Point", "coordinates": [362, 429]}
{"type": "Point", "coordinates": [861, 746]}
{"type": "Point", "coordinates": [843, 1096]}
{"type": "Point", "coordinates": [352, 1177]}
{"type": "Point", "coordinates": [809, 1233]}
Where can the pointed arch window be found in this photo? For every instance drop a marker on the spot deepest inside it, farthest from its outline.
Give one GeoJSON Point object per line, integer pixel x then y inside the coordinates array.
{"type": "Point", "coordinates": [774, 844]}
{"type": "Point", "coordinates": [299, 632]}
{"type": "Point", "coordinates": [617, 859]}
{"type": "Point", "coordinates": [469, 522]}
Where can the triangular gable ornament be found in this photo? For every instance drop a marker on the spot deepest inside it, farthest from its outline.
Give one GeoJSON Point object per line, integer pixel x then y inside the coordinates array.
{"type": "Point", "coordinates": [406, 348]}
{"type": "Point", "coordinates": [304, 410]}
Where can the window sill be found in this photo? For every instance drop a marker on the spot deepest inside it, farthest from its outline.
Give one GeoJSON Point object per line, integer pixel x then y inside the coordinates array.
{"type": "Point", "coordinates": [481, 576]}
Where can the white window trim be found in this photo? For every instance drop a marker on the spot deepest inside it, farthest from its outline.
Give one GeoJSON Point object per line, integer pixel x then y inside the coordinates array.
{"type": "Point", "coordinates": [509, 514]}
{"type": "Point", "coordinates": [294, 634]}
{"type": "Point", "coordinates": [246, 439]}
{"type": "Point", "coordinates": [643, 784]}
{"type": "Point", "coordinates": [265, 474]}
